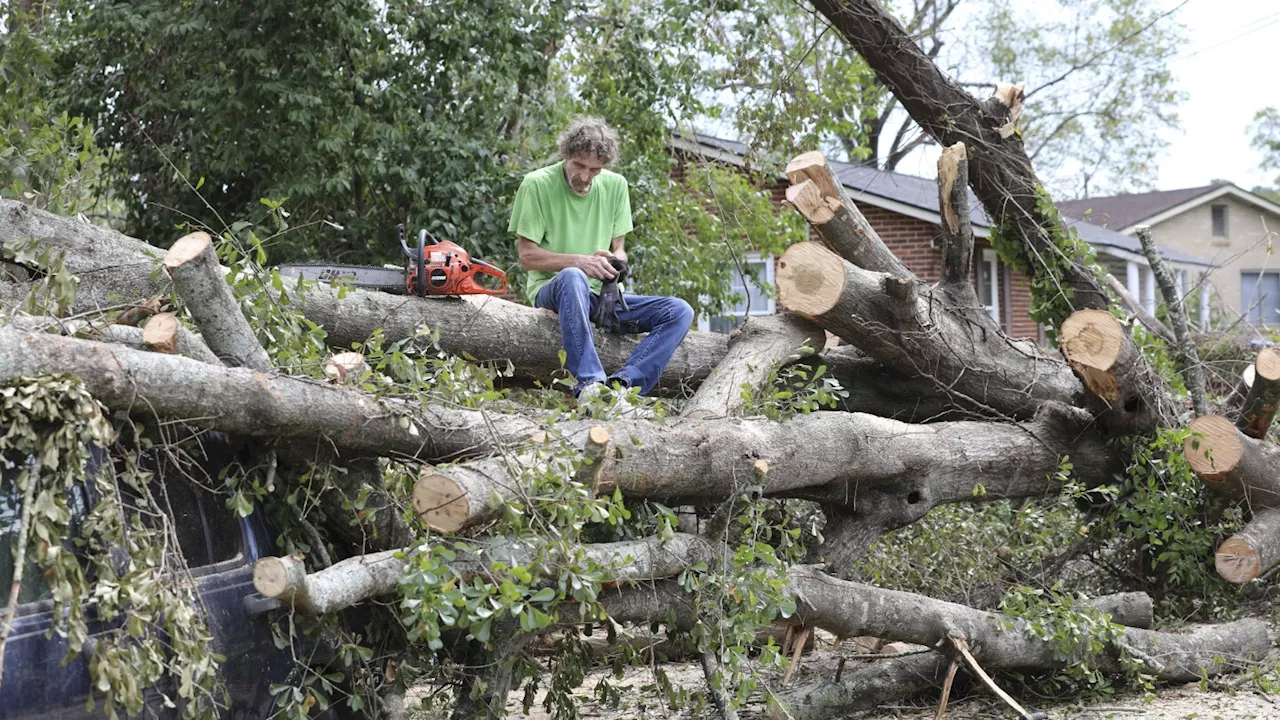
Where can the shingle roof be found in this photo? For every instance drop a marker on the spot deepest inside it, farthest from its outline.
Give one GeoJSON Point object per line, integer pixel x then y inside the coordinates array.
{"type": "Point", "coordinates": [1120, 211]}
{"type": "Point", "coordinates": [922, 194]}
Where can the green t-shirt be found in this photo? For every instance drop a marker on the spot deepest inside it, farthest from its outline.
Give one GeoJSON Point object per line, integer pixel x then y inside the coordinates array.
{"type": "Point", "coordinates": [548, 212]}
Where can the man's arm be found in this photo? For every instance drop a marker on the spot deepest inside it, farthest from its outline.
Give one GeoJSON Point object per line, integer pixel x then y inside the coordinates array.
{"type": "Point", "coordinates": [618, 249]}
{"type": "Point", "coordinates": [535, 257]}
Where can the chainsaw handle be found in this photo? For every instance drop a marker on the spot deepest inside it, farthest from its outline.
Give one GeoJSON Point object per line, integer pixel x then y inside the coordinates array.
{"type": "Point", "coordinates": [483, 268]}
{"type": "Point", "coordinates": [419, 260]}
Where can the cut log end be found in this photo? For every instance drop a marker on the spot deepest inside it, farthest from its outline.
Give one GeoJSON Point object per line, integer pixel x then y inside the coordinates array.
{"type": "Point", "coordinates": [598, 435]}
{"type": "Point", "coordinates": [1237, 561]}
{"type": "Point", "coordinates": [799, 167]}
{"type": "Point", "coordinates": [1213, 448]}
{"type": "Point", "coordinates": [278, 577]}
{"type": "Point", "coordinates": [811, 279]}
{"type": "Point", "coordinates": [1267, 365]}
{"type": "Point", "coordinates": [345, 367]}
{"type": "Point", "coordinates": [441, 502]}
{"type": "Point", "coordinates": [1092, 341]}
{"type": "Point", "coordinates": [186, 249]}
{"type": "Point", "coordinates": [161, 333]}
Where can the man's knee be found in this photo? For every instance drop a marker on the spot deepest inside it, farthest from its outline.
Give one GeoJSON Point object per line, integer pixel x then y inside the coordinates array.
{"type": "Point", "coordinates": [573, 277]}
{"type": "Point", "coordinates": [680, 312]}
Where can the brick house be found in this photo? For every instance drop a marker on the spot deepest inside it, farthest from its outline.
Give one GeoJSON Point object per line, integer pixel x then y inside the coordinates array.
{"type": "Point", "coordinates": [903, 209]}
{"type": "Point", "coordinates": [1234, 228]}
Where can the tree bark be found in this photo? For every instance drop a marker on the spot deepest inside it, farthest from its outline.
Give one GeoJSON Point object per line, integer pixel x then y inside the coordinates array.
{"type": "Point", "coordinates": [110, 266]}
{"type": "Point", "coordinates": [999, 169]}
{"type": "Point", "coordinates": [901, 323]}
{"type": "Point", "coordinates": [1232, 463]}
{"type": "Point", "coordinates": [198, 278]}
{"type": "Point", "coordinates": [819, 195]}
{"type": "Point", "coordinates": [756, 349]}
{"type": "Point", "coordinates": [1127, 394]}
{"type": "Point", "coordinates": [1186, 349]}
{"type": "Point", "coordinates": [1263, 398]}
{"type": "Point", "coordinates": [188, 344]}
{"type": "Point", "coordinates": [873, 388]}
{"type": "Point", "coordinates": [1253, 551]}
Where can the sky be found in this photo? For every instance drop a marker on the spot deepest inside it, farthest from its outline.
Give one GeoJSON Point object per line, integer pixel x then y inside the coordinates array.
{"type": "Point", "coordinates": [1230, 69]}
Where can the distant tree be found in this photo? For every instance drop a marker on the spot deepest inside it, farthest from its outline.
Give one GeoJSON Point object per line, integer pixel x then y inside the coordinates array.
{"type": "Point", "coordinates": [1096, 72]}
{"type": "Point", "coordinates": [1266, 140]}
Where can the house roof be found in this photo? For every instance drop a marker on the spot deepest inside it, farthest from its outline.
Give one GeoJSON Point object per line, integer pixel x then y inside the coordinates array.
{"type": "Point", "coordinates": [918, 197]}
{"type": "Point", "coordinates": [1124, 213]}
{"type": "Point", "coordinates": [1121, 211]}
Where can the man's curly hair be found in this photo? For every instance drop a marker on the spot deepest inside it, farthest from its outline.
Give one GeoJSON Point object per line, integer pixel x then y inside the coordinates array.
{"type": "Point", "coordinates": [590, 136]}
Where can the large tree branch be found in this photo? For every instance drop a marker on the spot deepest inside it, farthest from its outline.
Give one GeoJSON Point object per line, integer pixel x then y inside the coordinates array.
{"type": "Point", "coordinates": [1000, 172]}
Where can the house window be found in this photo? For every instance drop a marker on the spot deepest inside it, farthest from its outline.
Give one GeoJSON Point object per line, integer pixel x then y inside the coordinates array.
{"type": "Point", "coordinates": [1260, 297]}
{"type": "Point", "coordinates": [1219, 220]}
{"type": "Point", "coordinates": [988, 284]}
{"type": "Point", "coordinates": [755, 300]}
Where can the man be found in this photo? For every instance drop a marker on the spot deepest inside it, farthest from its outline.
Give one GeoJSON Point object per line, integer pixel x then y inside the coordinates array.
{"type": "Point", "coordinates": [571, 219]}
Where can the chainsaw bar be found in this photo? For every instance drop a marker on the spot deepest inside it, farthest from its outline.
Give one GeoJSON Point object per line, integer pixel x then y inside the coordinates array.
{"type": "Point", "coordinates": [389, 280]}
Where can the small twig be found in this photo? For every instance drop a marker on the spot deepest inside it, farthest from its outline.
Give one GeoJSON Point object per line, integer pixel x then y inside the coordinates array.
{"type": "Point", "coordinates": [19, 562]}
{"type": "Point", "coordinates": [1191, 368]}
{"type": "Point", "coordinates": [963, 646]}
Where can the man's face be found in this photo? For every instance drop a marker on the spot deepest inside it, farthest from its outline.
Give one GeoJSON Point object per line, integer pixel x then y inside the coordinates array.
{"type": "Point", "coordinates": [580, 170]}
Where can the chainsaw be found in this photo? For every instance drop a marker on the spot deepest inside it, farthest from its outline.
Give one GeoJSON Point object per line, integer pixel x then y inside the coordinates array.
{"type": "Point", "coordinates": [436, 268]}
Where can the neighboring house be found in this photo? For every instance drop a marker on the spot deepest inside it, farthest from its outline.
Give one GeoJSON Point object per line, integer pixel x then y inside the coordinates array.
{"type": "Point", "coordinates": [903, 209]}
{"type": "Point", "coordinates": [1233, 228]}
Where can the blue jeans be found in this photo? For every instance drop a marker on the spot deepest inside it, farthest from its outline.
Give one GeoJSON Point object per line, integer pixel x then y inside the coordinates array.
{"type": "Point", "coordinates": [666, 319]}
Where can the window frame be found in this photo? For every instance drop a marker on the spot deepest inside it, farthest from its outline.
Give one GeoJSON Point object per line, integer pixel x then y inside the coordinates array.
{"type": "Point", "coordinates": [748, 259]}
{"type": "Point", "coordinates": [1214, 221]}
{"type": "Point", "coordinates": [989, 263]}
{"type": "Point", "coordinates": [1246, 308]}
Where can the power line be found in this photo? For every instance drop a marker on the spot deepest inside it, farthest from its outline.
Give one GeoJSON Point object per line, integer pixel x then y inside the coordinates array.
{"type": "Point", "coordinates": [1249, 28]}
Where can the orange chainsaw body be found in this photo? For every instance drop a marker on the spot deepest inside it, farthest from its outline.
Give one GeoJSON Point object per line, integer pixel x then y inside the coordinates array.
{"type": "Point", "coordinates": [450, 270]}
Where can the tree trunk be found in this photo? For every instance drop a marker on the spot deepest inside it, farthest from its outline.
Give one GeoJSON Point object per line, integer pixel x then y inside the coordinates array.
{"type": "Point", "coordinates": [901, 323]}
{"type": "Point", "coordinates": [360, 578]}
{"type": "Point", "coordinates": [1127, 394]}
{"type": "Point", "coordinates": [756, 349]}
{"type": "Point", "coordinates": [198, 278]}
{"type": "Point", "coordinates": [1232, 463]}
{"type": "Point", "coordinates": [999, 170]}
{"type": "Point", "coordinates": [850, 609]}
{"type": "Point", "coordinates": [1263, 398]}
{"type": "Point", "coordinates": [110, 266]}
{"type": "Point", "coordinates": [1253, 551]}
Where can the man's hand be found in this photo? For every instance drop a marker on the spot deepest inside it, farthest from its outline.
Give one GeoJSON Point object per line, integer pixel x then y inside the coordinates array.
{"type": "Point", "coordinates": [597, 265]}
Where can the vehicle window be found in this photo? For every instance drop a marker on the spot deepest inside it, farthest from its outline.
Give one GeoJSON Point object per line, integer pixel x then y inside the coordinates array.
{"type": "Point", "coordinates": [34, 588]}
{"type": "Point", "coordinates": [206, 530]}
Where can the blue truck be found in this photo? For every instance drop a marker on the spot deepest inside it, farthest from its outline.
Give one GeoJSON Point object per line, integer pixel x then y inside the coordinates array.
{"type": "Point", "coordinates": [220, 550]}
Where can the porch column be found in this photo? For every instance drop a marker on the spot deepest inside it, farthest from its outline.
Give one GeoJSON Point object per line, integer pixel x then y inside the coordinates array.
{"type": "Point", "coordinates": [1131, 281]}
{"type": "Point", "coordinates": [1205, 289]}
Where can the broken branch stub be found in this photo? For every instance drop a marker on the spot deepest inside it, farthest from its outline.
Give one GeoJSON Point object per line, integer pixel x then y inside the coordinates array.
{"type": "Point", "coordinates": [819, 196]}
